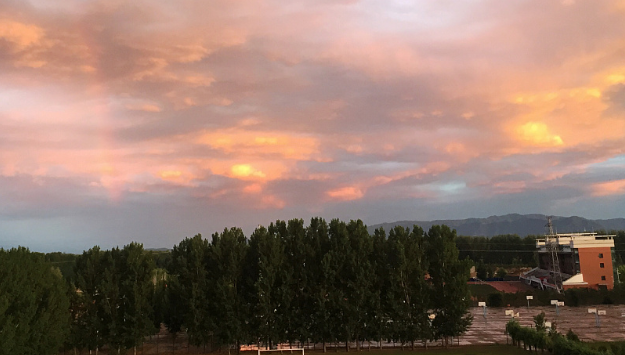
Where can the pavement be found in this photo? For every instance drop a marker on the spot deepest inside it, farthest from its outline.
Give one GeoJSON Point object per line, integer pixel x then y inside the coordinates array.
{"type": "Point", "coordinates": [491, 329]}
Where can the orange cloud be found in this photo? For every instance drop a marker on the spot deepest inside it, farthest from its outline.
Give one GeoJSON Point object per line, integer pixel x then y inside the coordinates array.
{"type": "Point", "coordinates": [271, 201]}
{"type": "Point", "coordinates": [253, 188]}
{"type": "Point", "coordinates": [609, 188]}
{"type": "Point", "coordinates": [246, 171]}
{"type": "Point", "coordinates": [144, 107]}
{"type": "Point", "coordinates": [19, 34]}
{"type": "Point", "coordinates": [252, 143]}
{"type": "Point", "coordinates": [346, 193]}
{"type": "Point", "coordinates": [538, 133]}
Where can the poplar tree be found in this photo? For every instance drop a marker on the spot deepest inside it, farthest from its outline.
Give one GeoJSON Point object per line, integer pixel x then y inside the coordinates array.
{"type": "Point", "coordinates": [188, 291]}
{"type": "Point", "coordinates": [265, 262]}
{"type": "Point", "coordinates": [297, 316]}
{"type": "Point", "coordinates": [320, 275]}
{"type": "Point", "coordinates": [378, 309]}
{"type": "Point", "coordinates": [135, 267]}
{"type": "Point", "coordinates": [227, 254]}
{"type": "Point", "coordinates": [450, 298]}
{"type": "Point", "coordinates": [359, 280]}
{"type": "Point", "coordinates": [88, 326]}
{"type": "Point", "coordinates": [34, 308]}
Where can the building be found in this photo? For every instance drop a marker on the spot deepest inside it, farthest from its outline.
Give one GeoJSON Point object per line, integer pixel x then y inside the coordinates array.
{"type": "Point", "coordinates": [574, 260]}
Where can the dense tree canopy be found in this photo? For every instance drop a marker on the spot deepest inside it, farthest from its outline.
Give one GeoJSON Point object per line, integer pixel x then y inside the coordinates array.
{"type": "Point", "coordinates": [34, 308]}
{"type": "Point", "coordinates": [288, 283]}
{"type": "Point", "coordinates": [325, 282]}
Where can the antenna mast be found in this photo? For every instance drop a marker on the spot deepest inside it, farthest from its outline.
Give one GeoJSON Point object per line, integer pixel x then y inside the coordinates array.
{"type": "Point", "coordinates": [551, 242]}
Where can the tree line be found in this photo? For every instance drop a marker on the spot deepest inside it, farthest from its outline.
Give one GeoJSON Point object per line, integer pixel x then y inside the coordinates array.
{"type": "Point", "coordinates": [506, 249]}
{"type": "Point", "coordinates": [323, 283]}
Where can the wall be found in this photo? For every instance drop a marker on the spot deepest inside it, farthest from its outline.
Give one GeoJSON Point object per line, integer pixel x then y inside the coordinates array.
{"type": "Point", "coordinates": [589, 264]}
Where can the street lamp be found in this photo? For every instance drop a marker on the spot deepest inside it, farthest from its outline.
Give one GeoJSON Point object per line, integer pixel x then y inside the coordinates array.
{"type": "Point", "coordinates": [482, 304]}
{"type": "Point", "coordinates": [557, 303]}
{"type": "Point", "coordinates": [597, 314]}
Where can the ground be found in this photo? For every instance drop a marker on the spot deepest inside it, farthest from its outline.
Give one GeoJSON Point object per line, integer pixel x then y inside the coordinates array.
{"type": "Point", "coordinates": [503, 286]}
{"type": "Point", "coordinates": [485, 336]}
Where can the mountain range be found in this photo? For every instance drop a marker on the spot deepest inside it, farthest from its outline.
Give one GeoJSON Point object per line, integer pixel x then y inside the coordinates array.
{"type": "Point", "coordinates": [522, 225]}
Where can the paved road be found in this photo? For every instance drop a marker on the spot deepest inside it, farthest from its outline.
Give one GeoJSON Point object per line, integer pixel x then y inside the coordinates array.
{"type": "Point", "coordinates": [490, 330]}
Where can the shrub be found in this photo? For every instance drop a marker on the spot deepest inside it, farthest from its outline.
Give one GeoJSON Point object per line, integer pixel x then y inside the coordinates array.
{"type": "Point", "coordinates": [495, 299]}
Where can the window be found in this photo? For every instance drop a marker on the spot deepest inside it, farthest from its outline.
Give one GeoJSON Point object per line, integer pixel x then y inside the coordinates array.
{"type": "Point", "coordinates": [602, 278]}
{"type": "Point", "coordinates": [601, 265]}
{"type": "Point", "coordinates": [600, 255]}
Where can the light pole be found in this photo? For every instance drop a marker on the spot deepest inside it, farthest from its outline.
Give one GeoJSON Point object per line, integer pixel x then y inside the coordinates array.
{"type": "Point", "coordinates": [557, 303]}
{"type": "Point", "coordinates": [482, 304]}
{"type": "Point", "coordinates": [528, 298]}
{"type": "Point", "coordinates": [597, 314]}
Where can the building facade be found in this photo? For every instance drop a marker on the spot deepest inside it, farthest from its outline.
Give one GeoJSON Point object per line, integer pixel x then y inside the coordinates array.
{"type": "Point", "coordinates": [583, 259]}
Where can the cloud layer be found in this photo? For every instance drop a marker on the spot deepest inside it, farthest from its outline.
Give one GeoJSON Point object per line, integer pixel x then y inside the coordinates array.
{"type": "Point", "coordinates": [151, 121]}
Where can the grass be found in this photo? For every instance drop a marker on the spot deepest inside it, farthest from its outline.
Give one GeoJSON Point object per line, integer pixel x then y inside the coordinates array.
{"type": "Point", "coordinates": [478, 290]}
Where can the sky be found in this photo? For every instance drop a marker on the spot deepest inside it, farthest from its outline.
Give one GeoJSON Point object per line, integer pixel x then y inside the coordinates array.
{"type": "Point", "coordinates": [153, 121]}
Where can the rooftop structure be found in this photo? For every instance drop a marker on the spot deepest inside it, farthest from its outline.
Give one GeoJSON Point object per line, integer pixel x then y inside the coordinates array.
{"type": "Point", "coordinates": [574, 260]}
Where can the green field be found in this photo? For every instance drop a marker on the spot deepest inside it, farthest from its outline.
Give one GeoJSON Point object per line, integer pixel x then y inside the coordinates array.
{"type": "Point", "coordinates": [478, 290]}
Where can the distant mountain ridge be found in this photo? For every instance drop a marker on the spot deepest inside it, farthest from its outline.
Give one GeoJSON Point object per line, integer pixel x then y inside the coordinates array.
{"type": "Point", "coordinates": [528, 224]}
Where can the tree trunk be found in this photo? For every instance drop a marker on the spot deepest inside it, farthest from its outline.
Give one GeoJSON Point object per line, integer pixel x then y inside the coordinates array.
{"type": "Point", "coordinates": [325, 350]}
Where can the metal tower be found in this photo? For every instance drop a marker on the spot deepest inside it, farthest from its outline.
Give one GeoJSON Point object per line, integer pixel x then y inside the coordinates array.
{"type": "Point", "coordinates": [551, 242]}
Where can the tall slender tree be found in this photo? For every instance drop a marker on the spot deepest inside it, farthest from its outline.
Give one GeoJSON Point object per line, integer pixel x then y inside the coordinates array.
{"type": "Point", "coordinates": [190, 285]}
{"type": "Point", "coordinates": [451, 297]}
{"type": "Point", "coordinates": [135, 267]}
{"type": "Point", "coordinates": [34, 308]}
{"type": "Point", "coordinates": [266, 259]}
{"type": "Point", "coordinates": [320, 274]}
{"type": "Point", "coordinates": [378, 309]}
{"type": "Point", "coordinates": [227, 254]}
{"type": "Point", "coordinates": [88, 326]}
{"type": "Point", "coordinates": [359, 280]}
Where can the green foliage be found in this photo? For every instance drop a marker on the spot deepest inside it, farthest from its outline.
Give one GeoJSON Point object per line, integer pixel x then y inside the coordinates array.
{"type": "Point", "coordinates": [408, 264]}
{"type": "Point", "coordinates": [495, 299]}
{"type": "Point", "coordinates": [188, 287]}
{"type": "Point", "coordinates": [501, 272]}
{"type": "Point", "coordinates": [539, 322]}
{"type": "Point", "coordinates": [508, 249]}
{"type": "Point", "coordinates": [288, 283]}
{"type": "Point", "coordinates": [570, 335]}
{"type": "Point", "coordinates": [228, 250]}
{"type": "Point", "coordinates": [450, 297]}
{"type": "Point", "coordinates": [34, 307]}
{"type": "Point", "coordinates": [112, 302]}
{"type": "Point", "coordinates": [481, 271]}
{"type": "Point", "coordinates": [65, 263]}
{"type": "Point", "coordinates": [554, 342]}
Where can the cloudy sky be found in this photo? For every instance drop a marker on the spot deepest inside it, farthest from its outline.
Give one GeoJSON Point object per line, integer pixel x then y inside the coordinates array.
{"type": "Point", "coordinates": [156, 120]}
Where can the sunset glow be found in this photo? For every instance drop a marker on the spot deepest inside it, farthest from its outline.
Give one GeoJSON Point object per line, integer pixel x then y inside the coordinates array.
{"type": "Point", "coordinates": [151, 121]}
